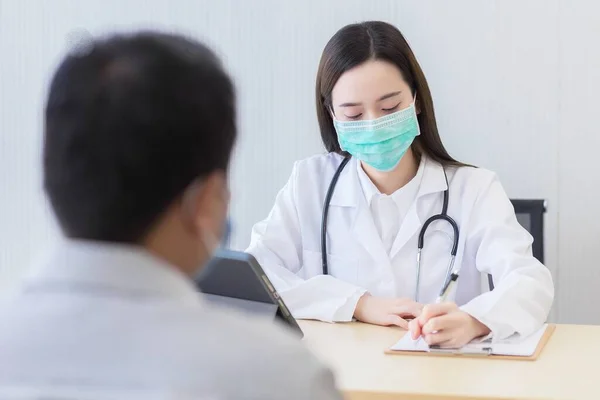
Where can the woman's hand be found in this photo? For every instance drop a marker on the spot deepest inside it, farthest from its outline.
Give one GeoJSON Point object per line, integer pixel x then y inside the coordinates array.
{"type": "Point", "coordinates": [446, 325]}
{"type": "Point", "coordinates": [386, 311]}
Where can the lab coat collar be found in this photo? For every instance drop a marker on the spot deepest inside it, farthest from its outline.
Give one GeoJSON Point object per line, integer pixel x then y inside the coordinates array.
{"type": "Point", "coordinates": [111, 267]}
{"type": "Point", "coordinates": [349, 193]}
{"type": "Point", "coordinates": [349, 187]}
{"type": "Point", "coordinates": [434, 180]}
{"type": "Point", "coordinates": [368, 187]}
{"type": "Point", "coordinates": [370, 190]}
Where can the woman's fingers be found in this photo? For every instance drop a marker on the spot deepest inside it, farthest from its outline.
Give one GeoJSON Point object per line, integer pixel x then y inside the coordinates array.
{"type": "Point", "coordinates": [407, 310]}
{"type": "Point", "coordinates": [440, 330]}
{"type": "Point", "coordinates": [414, 329]}
{"type": "Point", "coordinates": [444, 322]}
{"type": "Point", "coordinates": [398, 321]}
{"type": "Point", "coordinates": [435, 310]}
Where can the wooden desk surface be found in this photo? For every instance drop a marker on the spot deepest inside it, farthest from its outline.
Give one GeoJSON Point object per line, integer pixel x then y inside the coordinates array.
{"type": "Point", "coordinates": [569, 367]}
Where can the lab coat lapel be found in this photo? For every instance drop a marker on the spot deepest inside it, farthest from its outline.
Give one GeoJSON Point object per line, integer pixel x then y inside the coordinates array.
{"type": "Point", "coordinates": [408, 229]}
{"type": "Point", "coordinates": [432, 181]}
{"type": "Point", "coordinates": [366, 234]}
{"type": "Point", "coordinates": [350, 194]}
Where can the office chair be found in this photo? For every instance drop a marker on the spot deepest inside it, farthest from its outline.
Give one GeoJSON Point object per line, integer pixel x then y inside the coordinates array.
{"type": "Point", "coordinates": [530, 214]}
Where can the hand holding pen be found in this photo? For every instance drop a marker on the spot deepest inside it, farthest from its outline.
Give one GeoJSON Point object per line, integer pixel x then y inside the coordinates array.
{"type": "Point", "coordinates": [444, 324]}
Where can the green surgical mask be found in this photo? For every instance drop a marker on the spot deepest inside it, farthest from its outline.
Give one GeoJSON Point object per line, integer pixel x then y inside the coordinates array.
{"type": "Point", "coordinates": [381, 142]}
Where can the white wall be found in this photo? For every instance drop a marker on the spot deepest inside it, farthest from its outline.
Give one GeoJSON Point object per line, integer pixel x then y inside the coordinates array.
{"type": "Point", "coordinates": [514, 83]}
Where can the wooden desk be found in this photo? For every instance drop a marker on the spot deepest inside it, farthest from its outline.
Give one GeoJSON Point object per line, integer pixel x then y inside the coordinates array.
{"type": "Point", "coordinates": [569, 367]}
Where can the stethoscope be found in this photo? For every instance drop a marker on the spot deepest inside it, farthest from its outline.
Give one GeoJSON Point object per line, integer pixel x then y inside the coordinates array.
{"type": "Point", "coordinates": [443, 216]}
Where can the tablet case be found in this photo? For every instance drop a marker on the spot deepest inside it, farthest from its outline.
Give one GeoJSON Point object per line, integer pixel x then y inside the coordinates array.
{"type": "Point", "coordinates": [234, 278]}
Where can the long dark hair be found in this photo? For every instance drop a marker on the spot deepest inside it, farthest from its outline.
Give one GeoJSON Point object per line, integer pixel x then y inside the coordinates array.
{"type": "Point", "coordinates": [375, 40]}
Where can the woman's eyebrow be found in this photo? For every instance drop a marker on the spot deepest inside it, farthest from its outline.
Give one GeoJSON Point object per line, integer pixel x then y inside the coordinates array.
{"type": "Point", "coordinates": [384, 97]}
{"type": "Point", "coordinates": [387, 96]}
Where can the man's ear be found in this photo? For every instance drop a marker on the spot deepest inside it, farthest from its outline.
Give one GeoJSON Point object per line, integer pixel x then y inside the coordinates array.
{"type": "Point", "coordinates": [211, 203]}
{"type": "Point", "coordinates": [205, 202]}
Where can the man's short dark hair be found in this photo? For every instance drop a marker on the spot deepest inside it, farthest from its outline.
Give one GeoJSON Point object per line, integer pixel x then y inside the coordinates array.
{"type": "Point", "coordinates": [131, 121]}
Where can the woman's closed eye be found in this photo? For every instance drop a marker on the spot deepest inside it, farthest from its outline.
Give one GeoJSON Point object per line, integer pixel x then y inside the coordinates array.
{"type": "Point", "coordinates": [356, 116]}
{"type": "Point", "coordinates": [387, 110]}
{"type": "Point", "coordinates": [392, 108]}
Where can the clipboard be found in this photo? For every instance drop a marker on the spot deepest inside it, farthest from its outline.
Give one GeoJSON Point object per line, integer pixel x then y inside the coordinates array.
{"type": "Point", "coordinates": [486, 352]}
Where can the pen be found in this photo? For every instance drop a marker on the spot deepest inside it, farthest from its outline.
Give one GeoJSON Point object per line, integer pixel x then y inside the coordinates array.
{"type": "Point", "coordinates": [447, 288]}
{"type": "Point", "coordinates": [450, 282]}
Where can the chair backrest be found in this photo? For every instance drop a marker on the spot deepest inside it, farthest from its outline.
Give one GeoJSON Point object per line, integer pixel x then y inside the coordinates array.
{"type": "Point", "coordinates": [530, 214]}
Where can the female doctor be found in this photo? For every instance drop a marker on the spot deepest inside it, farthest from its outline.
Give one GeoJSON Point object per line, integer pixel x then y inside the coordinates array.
{"type": "Point", "coordinates": [388, 173]}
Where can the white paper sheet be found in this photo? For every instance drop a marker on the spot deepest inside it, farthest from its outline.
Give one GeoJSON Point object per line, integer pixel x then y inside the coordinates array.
{"type": "Point", "coordinates": [513, 346]}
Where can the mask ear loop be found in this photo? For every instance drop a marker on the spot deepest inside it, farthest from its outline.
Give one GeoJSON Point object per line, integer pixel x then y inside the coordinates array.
{"type": "Point", "coordinates": [329, 107]}
{"type": "Point", "coordinates": [416, 115]}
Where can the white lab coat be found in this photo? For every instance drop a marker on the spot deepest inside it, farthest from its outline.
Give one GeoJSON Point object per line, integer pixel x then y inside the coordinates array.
{"type": "Point", "coordinates": [491, 241]}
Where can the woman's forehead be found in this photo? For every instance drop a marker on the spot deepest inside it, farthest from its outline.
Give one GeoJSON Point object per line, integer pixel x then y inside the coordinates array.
{"type": "Point", "coordinates": [367, 83]}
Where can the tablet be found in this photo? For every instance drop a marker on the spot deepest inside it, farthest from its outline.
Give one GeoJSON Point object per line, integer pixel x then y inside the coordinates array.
{"type": "Point", "coordinates": [236, 279]}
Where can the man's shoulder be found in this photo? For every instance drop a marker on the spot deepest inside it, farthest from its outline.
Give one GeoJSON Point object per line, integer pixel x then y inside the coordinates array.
{"type": "Point", "coordinates": [260, 351]}
{"type": "Point", "coordinates": [256, 332]}
{"type": "Point", "coordinates": [200, 345]}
